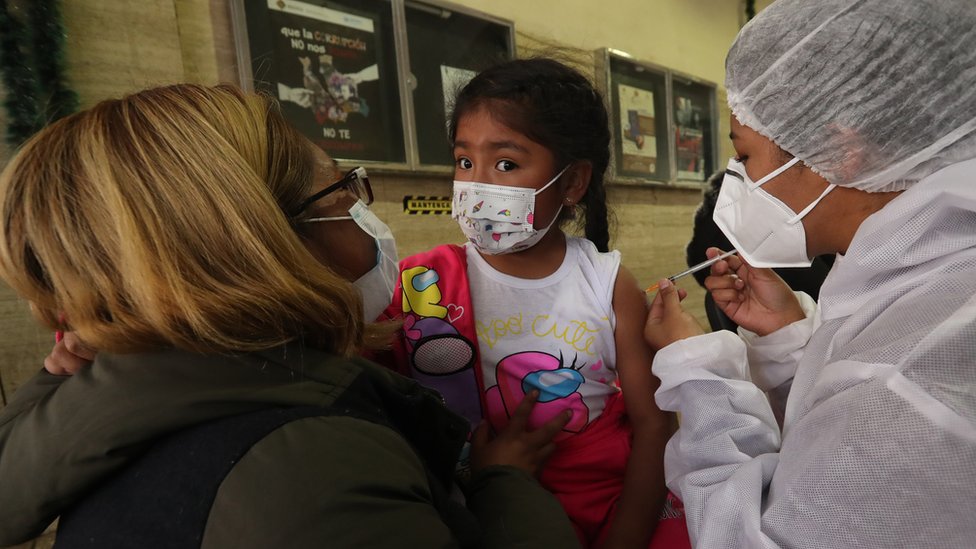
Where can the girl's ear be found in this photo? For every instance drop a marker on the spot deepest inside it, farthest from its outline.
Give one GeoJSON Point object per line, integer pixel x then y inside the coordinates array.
{"type": "Point", "coordinates": [575, 182]}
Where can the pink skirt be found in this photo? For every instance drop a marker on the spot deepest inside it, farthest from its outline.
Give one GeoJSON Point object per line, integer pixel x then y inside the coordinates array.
{"type": "Point", "coordinates": [586, 474]}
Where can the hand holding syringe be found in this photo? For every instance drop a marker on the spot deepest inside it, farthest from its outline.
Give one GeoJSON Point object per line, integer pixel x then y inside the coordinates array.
{"type": "Point", "coordinates": [695, 269]}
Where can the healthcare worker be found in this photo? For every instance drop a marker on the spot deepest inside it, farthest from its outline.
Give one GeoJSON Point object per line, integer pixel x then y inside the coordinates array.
{"type": "Point", "coordinates": [854, 124]}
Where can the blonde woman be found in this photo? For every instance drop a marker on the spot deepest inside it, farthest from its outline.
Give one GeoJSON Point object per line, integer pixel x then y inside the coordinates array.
{"type": "Point", "coordinates": [225, 407]}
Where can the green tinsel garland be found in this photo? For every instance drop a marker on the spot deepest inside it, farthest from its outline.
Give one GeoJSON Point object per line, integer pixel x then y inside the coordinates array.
{"type": "Point", "coordinates": [49, 59]}
{"type": "Point", "coordinates": [18, 79]}
{"type": "Point", "coordinates": [36, 92]}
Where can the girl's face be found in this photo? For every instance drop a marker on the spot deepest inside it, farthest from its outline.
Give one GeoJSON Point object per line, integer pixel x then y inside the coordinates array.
{"type": "Point", "coordinates": [487, 151]}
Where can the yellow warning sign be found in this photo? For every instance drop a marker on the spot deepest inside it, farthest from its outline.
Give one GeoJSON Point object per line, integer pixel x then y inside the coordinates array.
{"type": "Point", "coordinates": [427, 205]}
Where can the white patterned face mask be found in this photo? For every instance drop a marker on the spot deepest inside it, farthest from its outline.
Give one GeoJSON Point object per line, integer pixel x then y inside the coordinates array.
{"type": "Point", "coordinates": [765, 231]}
{"type": "Point", "coordinates": [498, 219]}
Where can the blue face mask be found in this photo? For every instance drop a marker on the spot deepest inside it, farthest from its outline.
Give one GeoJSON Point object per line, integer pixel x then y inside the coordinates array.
{"type": "Point", "coordinates": [376, 286]}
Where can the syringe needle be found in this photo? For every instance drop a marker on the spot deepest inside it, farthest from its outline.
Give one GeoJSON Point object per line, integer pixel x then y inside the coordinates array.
{"type": "Point", "coordinates": [695, 269]}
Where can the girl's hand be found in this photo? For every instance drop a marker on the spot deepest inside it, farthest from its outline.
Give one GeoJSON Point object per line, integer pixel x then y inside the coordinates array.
{"type": "Point", "coordinates": [68, 356]}
{"type": "Point", "coordinates": [756, 299]}
{"type": "Point", "coordinates": [668, 321]}
{"type": "Point", "coordinates": [515, 445]}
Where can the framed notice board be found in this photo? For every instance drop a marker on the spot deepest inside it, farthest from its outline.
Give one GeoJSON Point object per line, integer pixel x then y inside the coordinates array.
{"type": "Point", "coordinates": [695, 139]}
{"type": "Point", "coordinates": [332, 66]}
{"type": "Point", "coordinates": [639, 117]}
{"type": "Point", "coordinates": [369, 81]}
{"type": "Point", "coordinates": [448, 45]}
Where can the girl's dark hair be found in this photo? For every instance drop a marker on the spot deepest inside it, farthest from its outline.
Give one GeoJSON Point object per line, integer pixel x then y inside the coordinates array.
{"type": "Point", "coordinates": [557, 107]}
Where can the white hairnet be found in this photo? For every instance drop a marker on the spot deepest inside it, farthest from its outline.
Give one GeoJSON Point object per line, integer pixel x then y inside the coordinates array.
{"type": "Point", "coordinates": [871, 94]}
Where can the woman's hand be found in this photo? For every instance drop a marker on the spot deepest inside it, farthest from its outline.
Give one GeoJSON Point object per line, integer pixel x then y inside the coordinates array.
{"type": "Point", "coordinates": [668, 321]}
{"type": "Point", "coordinates": [515, 445]}
{"type": "Point", "coordinates": [756, 299]}
{"type": "Point", "coordinates": [68, 356]}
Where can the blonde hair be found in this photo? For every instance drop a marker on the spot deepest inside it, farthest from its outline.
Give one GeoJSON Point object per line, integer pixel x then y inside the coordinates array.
{"type": "Point", "coordinates": [158, 220]}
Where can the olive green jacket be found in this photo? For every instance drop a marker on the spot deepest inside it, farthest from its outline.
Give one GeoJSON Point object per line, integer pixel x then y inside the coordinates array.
{"type": "Point", "coordinates": [331, 481]}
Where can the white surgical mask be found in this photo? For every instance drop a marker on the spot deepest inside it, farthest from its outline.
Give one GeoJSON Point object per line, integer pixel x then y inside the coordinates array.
{"type": "Point", "coordinates": [376, 286]}
{"type": "Point", "coordinates": [766, 232]}
{"type": "Point", "coordinates": [498, 219]}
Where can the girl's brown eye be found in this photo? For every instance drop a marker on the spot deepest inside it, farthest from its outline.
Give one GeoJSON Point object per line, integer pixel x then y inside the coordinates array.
{"type": "Point", "coordinates": [505, 165]}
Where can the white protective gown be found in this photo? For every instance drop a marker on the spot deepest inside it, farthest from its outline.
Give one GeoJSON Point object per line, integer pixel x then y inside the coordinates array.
{"type": "Point", "coordinates": [878, 448]}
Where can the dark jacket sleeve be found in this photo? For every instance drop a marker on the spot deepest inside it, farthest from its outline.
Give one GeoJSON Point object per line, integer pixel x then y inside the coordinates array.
{"type": "Point", "coordinates": [516, 511]}
{"type": "Point", "coordinates": [59, 436]}
{"type": "Point", "coordinates": [344, 482]}
{"type": "Point", "coordinates": [19, 523]}
{"type": "Point", "coordinates": [29, 393]}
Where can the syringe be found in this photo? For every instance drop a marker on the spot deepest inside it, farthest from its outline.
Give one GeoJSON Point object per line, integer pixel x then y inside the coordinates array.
{"type": "Point", "coordinates": [695, 269]}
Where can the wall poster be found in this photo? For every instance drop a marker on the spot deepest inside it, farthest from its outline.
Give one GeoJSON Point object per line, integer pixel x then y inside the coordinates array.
{"type": "Point", "coordinates": [638, 95]}
{"type": "Point", "coordinates": [694, 128]}
{"type": "Point", "coordinates": [638, 137]}
{"type": "Point", "coordinates": [331, 66]}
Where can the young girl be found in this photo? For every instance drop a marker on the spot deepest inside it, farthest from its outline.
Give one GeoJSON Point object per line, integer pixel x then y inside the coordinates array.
{"type": "Point", "coordinates": [522, 307]}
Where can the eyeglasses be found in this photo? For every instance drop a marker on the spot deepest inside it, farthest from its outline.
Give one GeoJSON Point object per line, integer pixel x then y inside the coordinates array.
{"type": "Point", "coordinates": [355, 181]}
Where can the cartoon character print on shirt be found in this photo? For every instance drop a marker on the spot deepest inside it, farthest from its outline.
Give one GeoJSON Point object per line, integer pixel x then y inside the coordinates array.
{"type": "Point", "coordinates": [558, 385]}
{"type": "Point", "coordinates": [440, 357]}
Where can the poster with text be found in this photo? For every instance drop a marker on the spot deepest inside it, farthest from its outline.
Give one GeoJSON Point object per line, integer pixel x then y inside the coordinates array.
{"type": "Point", "coordinates": [328, 73]}
{"type": "Point", "coordinates": [639, 141]}
{"type": "Point", "coordinates": [690, 138]}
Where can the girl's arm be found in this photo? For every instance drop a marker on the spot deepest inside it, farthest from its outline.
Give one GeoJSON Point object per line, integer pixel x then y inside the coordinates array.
{"type": "Point", "coordinates": [644, 489]}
